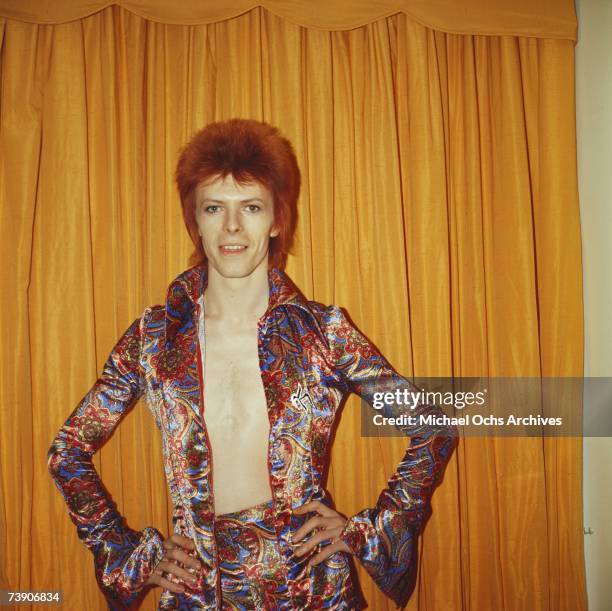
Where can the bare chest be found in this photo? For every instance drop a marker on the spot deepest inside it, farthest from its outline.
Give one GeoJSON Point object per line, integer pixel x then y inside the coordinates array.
{"type": "Point", "coordinates": [233, 389]}
{"type": "Point", "coordinates": [236, 417]}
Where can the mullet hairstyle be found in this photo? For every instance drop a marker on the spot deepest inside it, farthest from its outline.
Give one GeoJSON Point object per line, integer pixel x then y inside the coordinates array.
{"type": "Point", "coordinates": [250, 151]}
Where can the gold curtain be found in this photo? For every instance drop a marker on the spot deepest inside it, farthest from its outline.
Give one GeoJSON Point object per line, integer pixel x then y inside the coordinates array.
{"type": "Point", "coordinates": [540, 18]}
{"type": "Point", "coordinates": [439, 207]}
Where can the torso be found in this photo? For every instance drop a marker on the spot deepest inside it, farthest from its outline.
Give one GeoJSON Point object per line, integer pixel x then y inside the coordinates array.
{"type": "Point", "coordinates": [236, 417]}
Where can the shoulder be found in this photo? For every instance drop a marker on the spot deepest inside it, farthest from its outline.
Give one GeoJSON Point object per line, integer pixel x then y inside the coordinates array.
{"type": "Point", "coordinates": [154, 314]}
{"type": "Point", "coordinates": [325, 315]}
{"type": "Point", "coordinates": [326, 320]}
{"type": "Point", "coordinates": [152, 323]}
{"type": "Point", "coordinates": [181, 293]}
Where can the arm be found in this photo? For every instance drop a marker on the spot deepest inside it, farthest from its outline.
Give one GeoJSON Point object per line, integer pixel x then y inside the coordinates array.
{"type": "Point", "coordinates": [123, 558]}
{"type": "Point", "coordinates": [384, 537]}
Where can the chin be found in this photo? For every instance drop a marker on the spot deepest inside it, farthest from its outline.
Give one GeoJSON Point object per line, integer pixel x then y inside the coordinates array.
{"type": "Point", "coordinates": [235, 269]}
{"type": "Point", "coordinates": [234, 273]}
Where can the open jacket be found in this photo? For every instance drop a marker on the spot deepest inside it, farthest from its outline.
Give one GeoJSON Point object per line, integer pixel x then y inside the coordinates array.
{"type": "Point", "coordinates": [310, 357]}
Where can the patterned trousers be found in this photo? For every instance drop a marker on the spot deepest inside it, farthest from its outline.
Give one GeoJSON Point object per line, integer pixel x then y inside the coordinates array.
{"type": "Point", "coordinates": [250, 564]}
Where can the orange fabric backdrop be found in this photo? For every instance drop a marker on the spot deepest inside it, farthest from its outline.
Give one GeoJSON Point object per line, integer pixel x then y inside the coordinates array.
{"type": "Point", "coordinates": [539, 18]}
{"type": "Point", "coordinates": [439, 207]}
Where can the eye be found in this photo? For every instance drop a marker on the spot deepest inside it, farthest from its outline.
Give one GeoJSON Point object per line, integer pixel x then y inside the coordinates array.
{"type": "Point", "coordinates": [212, 208]}
{"type": "Point", "coordinates": [253, 207]}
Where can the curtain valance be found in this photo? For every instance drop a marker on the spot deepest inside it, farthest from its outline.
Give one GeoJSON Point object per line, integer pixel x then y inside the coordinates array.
{"type": "Point", "coordinates": [538, 18]}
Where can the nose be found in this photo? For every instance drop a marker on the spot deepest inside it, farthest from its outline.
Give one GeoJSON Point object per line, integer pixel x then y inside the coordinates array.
{"type": "Point", "coordinates": [232, 221]}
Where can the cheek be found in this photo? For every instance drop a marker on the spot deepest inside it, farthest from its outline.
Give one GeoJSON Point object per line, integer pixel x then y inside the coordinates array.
{"type": "Point", "coordinates": [208, 244]}
{"type": "Point", "coordinates": [264, 227]}
{"type": "Point", "coordinates": [263, 237]}
{"type": "Point", "coordinates": [206, 227]}
{"type": "Point", "coordinates": [198, 220]}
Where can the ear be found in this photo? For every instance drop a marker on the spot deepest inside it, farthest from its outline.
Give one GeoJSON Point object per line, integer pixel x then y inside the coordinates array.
{"type": "Point", "coordinates": [274, 232]}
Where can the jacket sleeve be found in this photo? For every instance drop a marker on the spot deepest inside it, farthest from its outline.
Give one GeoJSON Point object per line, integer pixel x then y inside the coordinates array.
{"type": "Point", "coordinates": [123, 558]}
{"type": "Point", "coordinates": [384, 537]}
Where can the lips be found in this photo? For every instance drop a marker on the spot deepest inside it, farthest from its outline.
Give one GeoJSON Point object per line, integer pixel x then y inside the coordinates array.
{"type": "Point", "coordinates": [232, 249]}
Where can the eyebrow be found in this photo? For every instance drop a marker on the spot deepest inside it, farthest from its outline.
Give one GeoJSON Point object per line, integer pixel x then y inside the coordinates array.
{"type": "Point", "coordinates": [242, 201]}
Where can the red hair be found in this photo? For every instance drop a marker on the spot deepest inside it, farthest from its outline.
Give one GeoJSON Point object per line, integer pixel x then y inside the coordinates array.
{"type": "Point", "coordinates": [250, 151]}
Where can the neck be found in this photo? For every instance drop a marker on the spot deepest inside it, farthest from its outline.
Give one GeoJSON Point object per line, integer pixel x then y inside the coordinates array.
{"type": "Point", "coordinates": [237, 299]}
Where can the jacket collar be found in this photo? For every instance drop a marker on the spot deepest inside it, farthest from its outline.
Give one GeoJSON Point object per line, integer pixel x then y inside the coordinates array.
{"type": "Point", "coordinates": [186, 289]}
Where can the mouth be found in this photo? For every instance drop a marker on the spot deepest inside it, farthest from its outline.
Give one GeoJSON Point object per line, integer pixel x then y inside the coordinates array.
{"type": "Point", "coordinates": [232, 249]}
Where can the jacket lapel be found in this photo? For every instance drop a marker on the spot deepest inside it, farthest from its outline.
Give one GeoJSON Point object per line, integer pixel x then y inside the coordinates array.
{"type": "Point", "coordinates": [177, 365]}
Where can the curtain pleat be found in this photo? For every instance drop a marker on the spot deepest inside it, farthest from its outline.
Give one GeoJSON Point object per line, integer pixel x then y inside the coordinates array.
{"type": "Point", "coordinates": [439, 207]}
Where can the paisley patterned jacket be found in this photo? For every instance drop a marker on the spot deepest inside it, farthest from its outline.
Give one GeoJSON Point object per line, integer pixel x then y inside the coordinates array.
{"type": "Point", "coordinates": [310, 358]}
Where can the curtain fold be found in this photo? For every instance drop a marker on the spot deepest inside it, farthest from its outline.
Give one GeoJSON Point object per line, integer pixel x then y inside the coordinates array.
{"type": "Point", "coordinates": [540, 18]}
{"type": "Point", "coordinates": [439, 206]}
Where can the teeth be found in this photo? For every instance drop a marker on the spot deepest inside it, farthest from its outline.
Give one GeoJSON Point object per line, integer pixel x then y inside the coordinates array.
{"type": "Point", "coordinates": [233, 247]}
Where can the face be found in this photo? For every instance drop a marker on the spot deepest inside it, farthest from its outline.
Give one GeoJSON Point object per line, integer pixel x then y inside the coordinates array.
{"type": "Point", "coordinates": [236, 223]}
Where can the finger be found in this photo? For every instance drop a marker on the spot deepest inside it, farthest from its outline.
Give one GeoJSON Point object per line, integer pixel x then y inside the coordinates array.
{"type": "Point", "coordinates": [168, 544]}
{"type": "Point", "coordinates": [184, 558]}
{"type": "Point", "coordinates": [326, 552]}
{"type": "Point", "coordinates": [171, 571]}
{"type": "Point", "coordinates": [173, 587]}
{"type": "Point", "coordinates": [323, 535]}
{"type": "Point", "coordinates": [317, 506]}
{"type": "Point", "coordinates": [318, 522]}
{"type": "Point", "coordinates": [164, 579]}
{"type": "Point", "coordinates": [344, 547]}
{"type": "Point", "coordinates": [182, 541]}
{"type": "Point", "coordinates": [308, 526]}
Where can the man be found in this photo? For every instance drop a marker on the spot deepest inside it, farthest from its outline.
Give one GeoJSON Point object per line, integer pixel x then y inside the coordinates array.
{"type": "Point", "coordinates": [244, 377]}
